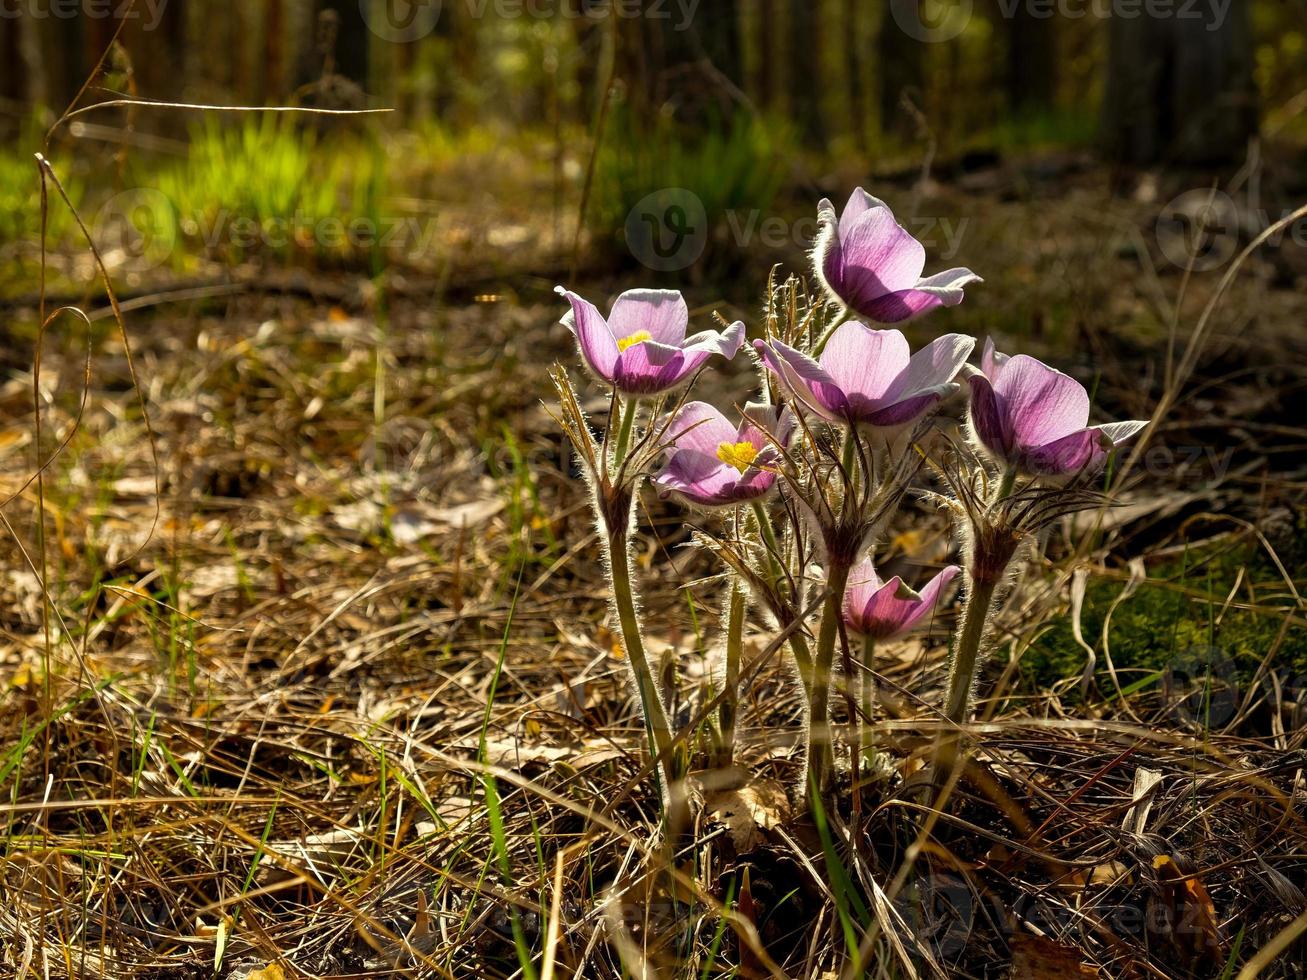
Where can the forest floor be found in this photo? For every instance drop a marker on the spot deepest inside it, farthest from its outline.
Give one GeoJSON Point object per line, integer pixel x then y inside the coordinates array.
{"type": "Point", "coordinates": [320, 683]}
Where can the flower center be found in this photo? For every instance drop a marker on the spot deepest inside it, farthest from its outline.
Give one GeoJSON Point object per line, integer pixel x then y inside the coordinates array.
{"type": "Point", "coordinates": [738, 454]}
{"type": "Point", "coordinates": [639, 337]}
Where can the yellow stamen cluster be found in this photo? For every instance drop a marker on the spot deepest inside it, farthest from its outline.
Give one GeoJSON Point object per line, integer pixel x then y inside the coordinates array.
{"type": "Point", "coordinates": [639, 337]}
{"type": "Point", "coordinates": [738, 454]}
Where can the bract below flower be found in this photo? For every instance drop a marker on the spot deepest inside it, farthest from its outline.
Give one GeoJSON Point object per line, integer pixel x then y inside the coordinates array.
{"type": "Point", "coordinates": [641, 347]}
{"type": "Point", "coordinates": [1034, 418]}
{"type": "Point", "coordinates": [871, 264]}
{"type": "Point", "coordinates": [870, 377]}
{"type": "Point", "coordinates": [717, 464]}
{"type": "Point", "coordinates": [885, 610]}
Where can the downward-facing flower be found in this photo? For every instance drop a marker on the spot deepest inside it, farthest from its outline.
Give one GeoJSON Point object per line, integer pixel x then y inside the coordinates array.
{"type": "Point", "coordinates": [872, 264]}
{"type": "Point", "coordinates": [885, 610]}
{"type": "Point", "coordinates": [870, 377]}
{"type": "Point", "coordinates": [1034, 418]}
{"type": "Point", "coordinates": [717, 464]}
{"type": "Point", "coordinates": [641, 348]}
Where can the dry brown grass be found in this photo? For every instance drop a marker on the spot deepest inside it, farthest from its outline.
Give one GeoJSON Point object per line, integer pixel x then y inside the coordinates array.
{"type": "Point", "coordinates": [242, 724]}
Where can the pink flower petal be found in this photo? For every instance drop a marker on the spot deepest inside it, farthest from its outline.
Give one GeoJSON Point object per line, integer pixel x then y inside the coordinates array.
{"type": "Point", "coordinates": [597, 345]}
{"type": "Point", "coordinates": [944, 289]}
{"type": "Point", "coordinates": [698, 478]}
{"type": "Point", "coordinates": [909, 409]}
{"type": "Point", "coordinates": [989, 425]}
{"type": "Point", "coordinates": [876, 256]}
{"type": "Point", "coordinates": [1041, 403]}
{"type": "Point", "coordinates": [859, 203]}
{"type": "Point", "coordinates": [991, 361]}
{"type": "Point", "coordinates": [1117, 433]}
{"type": "Point", "coordinates": [648, 368]}
{"type": "Point", "coordinates": [936, 364]}
{"type": "Point", "coordinates": [804, 379]}
{"type": "Point", "coordinates": [863, 584]}
{"type": "Point", "coordinates": [865, 363]}
{"type": "Point", "coordinates": [1062, 457]}
{"type": "Point", "coordinates": [661, 313]}
{"type": "Point", "coordinates": [699, 426]}
{"type": "Point", "coordinates": [893, 609]}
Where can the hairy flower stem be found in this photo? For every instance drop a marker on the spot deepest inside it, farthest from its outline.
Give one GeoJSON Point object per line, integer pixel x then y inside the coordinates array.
{"type": "Point", "coordinates": [734, 645]}
{"type": "Point", "coordinates": [988, 568]}
{"type": "Point", "coordinates": [798, 645]}
{"type": "Point", "coordinates": [820, 758]}
{"type": "Point", "coordinates": [624, 434]}
{"type": "Point", "coordinates": [962, 672]}
{"type": "Point", "coordinates": [868, 697]}
{"type": "Point", "coordinates": [656, 723]}
{"type": "Point", "coordinates": [769, 539]}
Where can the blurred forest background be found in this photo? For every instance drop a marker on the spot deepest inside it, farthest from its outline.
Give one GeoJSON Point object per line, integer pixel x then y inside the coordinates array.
{"type": "Point", "coordinates": [748, 103]}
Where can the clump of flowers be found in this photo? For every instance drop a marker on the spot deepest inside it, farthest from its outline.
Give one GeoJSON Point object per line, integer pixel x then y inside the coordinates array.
{"type": "Point", "coordinates": [795, 489]}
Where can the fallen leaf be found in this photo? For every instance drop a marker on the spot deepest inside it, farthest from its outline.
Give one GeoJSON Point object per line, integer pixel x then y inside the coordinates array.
{"type": "Point", "coordinates": [1188, 919]}
{"type": "Point", "coordinates": [1037, 958]}
{"type": "Point", "coordinates": [748, 812]}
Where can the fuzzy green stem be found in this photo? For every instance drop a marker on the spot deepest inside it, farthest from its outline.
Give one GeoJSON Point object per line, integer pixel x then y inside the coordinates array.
{"type": "Point", "coordinates": [768, 538]}
{"type": "Point", "coordinates": [726, 714]}
{"type": "Point", "coordinates": [868, 696]}
{"type": "Point", "coordinates": [802, 658]}
{"type": "Point", "coordinates": [1005, 488]}
{"type": "Point", "coordinates": [819, 734]}
{"type": "Point", "coordinates": [657, 726]}
{"type": "Point", "coordinates": [838, 322]}
{"type": "Point", "coordinates": [850, 449]}
{"type": "Point", "coordinates": [629, 409]}
{"type": "Point", "coordinates": [962, 673]}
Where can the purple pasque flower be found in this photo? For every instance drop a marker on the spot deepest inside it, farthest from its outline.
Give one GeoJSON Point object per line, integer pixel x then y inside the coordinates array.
{"type": "Point", "coordinates": [1034, 418]}
{"type": "Point", "coordinates": [872, 264]}
{"type": "Point", "coordinates": [717, 464]}
{"type": "Point", "coordinates": [641, 349]}
{"type": "Point", "coordinates": [870, 377]}
{"type": "Point", "coordinates": [885, 610]}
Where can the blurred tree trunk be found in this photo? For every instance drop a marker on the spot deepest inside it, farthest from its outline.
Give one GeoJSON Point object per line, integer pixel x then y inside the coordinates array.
{"type": "Point", "coordinates": [806, 72]}
{"type": "Point", "coordinates": [352, 39]}
{"type": "Point", "coordinates": [719, 34]}
{"type": "Point", "coordinates": [13, 81]}
{"type": "Point", "coordinates": [1032, 59]}
{"type": "Point", "coordinates": [1180, 89]}
{"type": "Point", "coordinates": [853, 81]}
{"type": "Point", "coordinates": [274, 51]}
{"type": "Point", "coordinates": [901, 64]}
{"type": "Point", "coordinates": [756, 46]}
